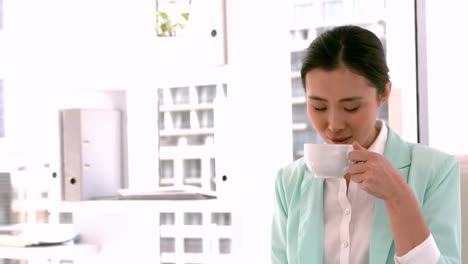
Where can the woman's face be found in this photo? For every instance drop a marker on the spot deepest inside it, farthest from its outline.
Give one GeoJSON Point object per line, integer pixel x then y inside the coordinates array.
{"type": "Point", "coordinates": [343, 106]}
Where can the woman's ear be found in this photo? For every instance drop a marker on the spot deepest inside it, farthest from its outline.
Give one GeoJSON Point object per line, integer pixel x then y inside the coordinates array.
{"type": "Point", "coordinates": [383, 97]}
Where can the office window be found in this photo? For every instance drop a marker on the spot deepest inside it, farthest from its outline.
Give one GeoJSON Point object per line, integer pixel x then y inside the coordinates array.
{"type": "Point", "coordinates": [189, 123]}
{"type": "Point", "coordinates": [171, 17]}
{"type": "Point", "coordinates": [187, 115]}
{"type": "Point", "coordinates": [187, 156]}
{"type": "Point", "coordinates": [187, 134]}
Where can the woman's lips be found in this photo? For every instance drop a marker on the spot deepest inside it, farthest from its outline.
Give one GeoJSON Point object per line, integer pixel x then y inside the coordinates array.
{"type": "Point", "coordinates": [339, 140]}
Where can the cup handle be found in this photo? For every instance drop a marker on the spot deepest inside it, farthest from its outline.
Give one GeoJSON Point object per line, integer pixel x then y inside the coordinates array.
{"type": "Point", "coordinates": [347, 156]}
{"type": "Point", "coordinates": [349, 161]}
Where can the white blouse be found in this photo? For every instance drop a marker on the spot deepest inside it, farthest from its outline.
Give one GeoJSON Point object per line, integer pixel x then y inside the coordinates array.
{"type": "Point", "coordinates": [348, 219]}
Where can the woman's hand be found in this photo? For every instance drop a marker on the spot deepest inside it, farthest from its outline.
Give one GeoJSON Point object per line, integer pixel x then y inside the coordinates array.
{"type": "Point", "coordinates": [375, 174]}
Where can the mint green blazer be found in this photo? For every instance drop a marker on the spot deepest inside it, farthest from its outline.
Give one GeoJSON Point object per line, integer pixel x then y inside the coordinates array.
{"type": "Point", "coordinates": [298, 228]}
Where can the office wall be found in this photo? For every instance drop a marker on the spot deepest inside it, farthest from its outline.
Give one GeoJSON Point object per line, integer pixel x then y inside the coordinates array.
{"type": "Point", "coordinates": [447, 87]}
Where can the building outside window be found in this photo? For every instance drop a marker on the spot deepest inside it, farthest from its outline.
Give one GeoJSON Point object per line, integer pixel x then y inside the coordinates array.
{"type": "Point", "coordinates": [187, 157]}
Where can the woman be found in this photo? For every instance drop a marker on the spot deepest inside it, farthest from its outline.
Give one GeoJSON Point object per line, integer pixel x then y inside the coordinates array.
{"type": "Point", "coordinates": [398, 202]}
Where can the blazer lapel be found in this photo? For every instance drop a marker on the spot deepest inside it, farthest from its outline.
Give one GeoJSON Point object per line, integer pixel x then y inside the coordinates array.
{"type": "Point", "coordinates": [398, 153]}
{"type": "Point", "coordinates": [310, 237]}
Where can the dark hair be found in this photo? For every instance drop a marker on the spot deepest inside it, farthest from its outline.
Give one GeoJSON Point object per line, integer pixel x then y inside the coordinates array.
{"type": "Point", "coordinates": [357, 48]}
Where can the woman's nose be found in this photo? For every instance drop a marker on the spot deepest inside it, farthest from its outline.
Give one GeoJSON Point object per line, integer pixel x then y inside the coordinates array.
{"type": "Point", "coordinates": [335, 122]}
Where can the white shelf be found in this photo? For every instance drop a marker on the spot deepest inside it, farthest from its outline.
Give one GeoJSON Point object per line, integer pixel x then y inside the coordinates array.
{"type": "Point", "coordinates": [69, 252]}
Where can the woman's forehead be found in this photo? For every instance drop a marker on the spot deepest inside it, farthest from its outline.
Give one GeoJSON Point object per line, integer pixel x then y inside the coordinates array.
{"type": "Point", "coordinates": [340, 82]}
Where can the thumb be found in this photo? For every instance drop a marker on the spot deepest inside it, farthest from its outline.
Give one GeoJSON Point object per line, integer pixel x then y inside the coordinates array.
{"type": "Point", "coordinates": [356, 146]}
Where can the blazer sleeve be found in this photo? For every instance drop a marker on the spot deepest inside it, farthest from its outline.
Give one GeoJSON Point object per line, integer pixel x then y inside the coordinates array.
{"type": "Point", "coordinates": [442, 207]}
{"type": "Point", "coordinates": [280, 216]}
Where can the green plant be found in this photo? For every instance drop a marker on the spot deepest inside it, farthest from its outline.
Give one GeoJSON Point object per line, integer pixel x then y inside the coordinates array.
{"type": "Point", "coordinates": [165, 27]}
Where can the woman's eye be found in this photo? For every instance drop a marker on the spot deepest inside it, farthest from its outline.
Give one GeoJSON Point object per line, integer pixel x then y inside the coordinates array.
{"type": "Point", "coordinates": [354, 109]}
{"type": "Point", "coordinates": [320, 109]}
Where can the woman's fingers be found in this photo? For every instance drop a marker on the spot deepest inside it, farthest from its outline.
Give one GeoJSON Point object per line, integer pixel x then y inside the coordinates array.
{"type": "Point", "coordinates": [358, 178]}
{"type": "Point", "coordinates": [356, 168]}
{"type": "Point", "coordinates": [359, 155]}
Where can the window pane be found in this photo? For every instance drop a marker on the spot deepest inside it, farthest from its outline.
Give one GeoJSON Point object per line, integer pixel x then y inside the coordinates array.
{"type": "Point", "coordinates": [221, 219]}
{"type": "Point", "coordinates": [166, 218]}
{"type": "Point", "coordinates": [193, 219]}
{"type": "Point", "coordinates": [180, 95]}
{"type": "Point", "coordinates": [167, 245]}
{"type": "Point", "coordinates": [206, 93]}
{"type": "Point", "coordinates": [224, 246]}
{"type": "Point", "coordinates": [193, 245]}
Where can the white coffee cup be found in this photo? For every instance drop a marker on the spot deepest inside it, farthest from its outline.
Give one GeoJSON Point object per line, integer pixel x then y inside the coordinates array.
{"type": "Point", "coordinates": [327, 160]}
